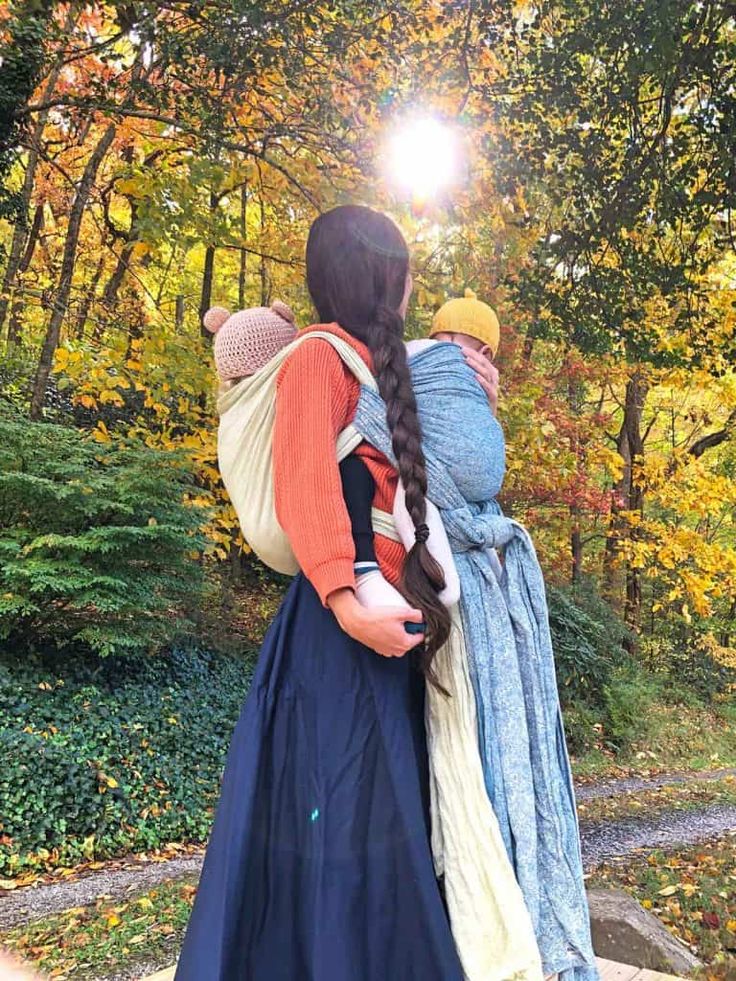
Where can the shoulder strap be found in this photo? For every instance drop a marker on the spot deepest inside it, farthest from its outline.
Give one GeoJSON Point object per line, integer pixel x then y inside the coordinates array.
{"type": "Point", "coordinates": [267, 375]}
{"type": "Point", "coordinates": [349, 355]}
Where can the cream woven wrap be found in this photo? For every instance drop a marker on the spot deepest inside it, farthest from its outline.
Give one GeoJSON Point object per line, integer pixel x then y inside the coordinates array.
{"type": "Point", "coordinates": [490, 922]}
{"type": "Point", "coordinates": [245, 451]}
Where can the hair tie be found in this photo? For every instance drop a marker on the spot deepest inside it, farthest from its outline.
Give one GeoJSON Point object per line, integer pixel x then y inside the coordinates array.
{"type": "Point", "coordinates": [421, 533]}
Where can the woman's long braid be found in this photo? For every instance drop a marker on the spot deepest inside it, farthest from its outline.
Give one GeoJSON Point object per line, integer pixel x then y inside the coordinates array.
{"type": "Point", "coordinates": [423, 578]}
{"type": "Point", "coordinates": [358, 274]}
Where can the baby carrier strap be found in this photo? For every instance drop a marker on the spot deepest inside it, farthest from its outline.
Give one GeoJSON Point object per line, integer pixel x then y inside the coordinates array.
{"type": "Point", "coordinates": [245, 451]}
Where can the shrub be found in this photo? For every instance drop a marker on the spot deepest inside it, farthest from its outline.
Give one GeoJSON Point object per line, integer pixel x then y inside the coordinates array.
{"type": "Point", "coordinates": [628, 696]}
{"type": "Point", "coordinates": [95, 541]}
{"type": "Point", "coordinates": [580, 727]}
{"type": "Point", "coordinates": [103, 755]}
{"type": "Point", "coordinates": [587, 637]}
{"type": "Point", "coordinates": [685, 656]}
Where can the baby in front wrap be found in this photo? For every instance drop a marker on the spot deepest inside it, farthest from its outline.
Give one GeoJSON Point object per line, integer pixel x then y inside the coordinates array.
{"type": "Point", "coordinates": [458, 424]}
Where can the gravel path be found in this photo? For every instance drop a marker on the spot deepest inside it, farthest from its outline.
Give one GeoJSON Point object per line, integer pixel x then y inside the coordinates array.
{"type": "Point", "coordinates": [600, 840]}
{"type": "Point", "coordinates": [625, 785]}
{"type": "Point", "coordinates": [35, 902]}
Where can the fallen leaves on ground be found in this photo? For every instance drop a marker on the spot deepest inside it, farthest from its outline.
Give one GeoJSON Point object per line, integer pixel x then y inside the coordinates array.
{"type": "Point", "coordinates": [649, 803]}
{"type": "Point", "coordinates": [692, 891]}
{"type": "Point", "coordinates": [87, 942]}
{"type": "Point", "coordinates": [34, 877]}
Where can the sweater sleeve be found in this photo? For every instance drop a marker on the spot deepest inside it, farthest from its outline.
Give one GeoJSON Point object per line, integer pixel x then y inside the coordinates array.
{"type": "Point", "coordinates": [312, 407]}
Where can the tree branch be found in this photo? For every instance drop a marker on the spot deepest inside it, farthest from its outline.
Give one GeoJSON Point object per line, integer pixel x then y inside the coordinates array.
{"type": "Point", "coordinates": [710, 440]}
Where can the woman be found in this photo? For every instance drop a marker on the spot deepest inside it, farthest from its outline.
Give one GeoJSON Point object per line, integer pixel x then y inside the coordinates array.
{"type": "Point", "coordinates": [319, 862]}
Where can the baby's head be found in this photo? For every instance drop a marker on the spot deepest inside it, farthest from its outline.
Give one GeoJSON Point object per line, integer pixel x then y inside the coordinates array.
{"type": "Point", "coordinates": [469, 323]}
{"type": "Point", "coordinates": [246, 340]}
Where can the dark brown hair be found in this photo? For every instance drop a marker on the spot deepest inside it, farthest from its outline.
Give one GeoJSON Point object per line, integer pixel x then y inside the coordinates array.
{"type": "Point", "coordinates": [357, 265]}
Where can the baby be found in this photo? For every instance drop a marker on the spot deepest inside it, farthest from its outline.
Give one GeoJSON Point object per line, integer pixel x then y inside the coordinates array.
{"type": "Point", "coordinates": [470, 324]}
{"type": "Point", "coordinates": [467, 322]}
{"type": "Point", "coordinates": [247, 340]}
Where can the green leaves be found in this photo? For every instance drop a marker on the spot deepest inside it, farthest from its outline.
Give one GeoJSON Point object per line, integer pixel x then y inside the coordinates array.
{"type": "Point", "coordinates": [587, 637]}
{"type": "Point", "coordinates": [91, 764]}
{"type": "Point", "coordinates": [25, 32]}
{"type": "Point", "coordinates": [95, 549]}
{"type": "Point", "coordinates": [618, 125]}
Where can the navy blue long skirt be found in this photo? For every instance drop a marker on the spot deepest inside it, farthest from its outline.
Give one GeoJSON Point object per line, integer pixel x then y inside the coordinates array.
{"type": "Point", "coordinates": [318, 866]}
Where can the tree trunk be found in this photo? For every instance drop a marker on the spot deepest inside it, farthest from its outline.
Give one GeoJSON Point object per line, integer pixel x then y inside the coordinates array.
{"type": "Point", "coordinates": [527, 349]}
{"type": "Point", "coordinates": [205, 300]}
{"type": "Point", "coordinates": [110, 292]}
{"type": "Point", "coordinates": [208, 273]}
{"type": "Point", "coordinates": [20, 229]}
{"type": "Point", "coordinates": [36, 226]}
{"type": "Point", "coordinates": [636, 393]}
{"type": "Point", "coordinates": [265, 290]}
{"type": "Point", "coordinates": [89, 295]}
{"type": "Point", "coordinates": [243, 253]}
{"type": "Point", "coordinates": [574, 401]}
{"type": "Point", "coordinates": [14, 324]}
{"type": "Point", "coordinates": [60, 300]}
{"type": "Point", "coordinates": [725, 639]}
{"type": "Point", "coordinates": [179, 314]}
{"type": "Point", "coordinates": [619, 498]}
{"type": "Point", "coordinates": [628, 496]}
{"type": "Point", "coordinates": [576, 546]}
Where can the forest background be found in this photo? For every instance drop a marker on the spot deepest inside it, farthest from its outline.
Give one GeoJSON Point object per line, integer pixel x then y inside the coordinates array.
{"type": "Point", "coordinates": [159, 158]}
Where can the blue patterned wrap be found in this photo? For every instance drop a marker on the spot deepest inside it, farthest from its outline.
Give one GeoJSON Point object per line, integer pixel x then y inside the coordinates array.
{"type": "Point", "coordinates": [521, 737]}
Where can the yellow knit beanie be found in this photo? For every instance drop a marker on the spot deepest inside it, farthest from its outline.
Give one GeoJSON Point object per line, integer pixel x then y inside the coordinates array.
{"type": "Point", "coordinates": [468, 315]}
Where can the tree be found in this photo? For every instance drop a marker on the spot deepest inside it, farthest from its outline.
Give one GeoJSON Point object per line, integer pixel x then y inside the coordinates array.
{"type": "Point", "coordinates": [22, 53]}
{"type": "Point", "coordinates": [615, 126]}
{"type": "Point", "coordinates": [60, 299]}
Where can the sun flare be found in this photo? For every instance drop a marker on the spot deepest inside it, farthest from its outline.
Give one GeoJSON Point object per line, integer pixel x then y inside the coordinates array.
{"type": "Point", "coordinates": [422, 157]}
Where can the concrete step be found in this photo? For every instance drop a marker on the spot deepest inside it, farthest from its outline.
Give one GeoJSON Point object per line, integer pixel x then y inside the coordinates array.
{"type": "Point", "coordinates": [610, 971]}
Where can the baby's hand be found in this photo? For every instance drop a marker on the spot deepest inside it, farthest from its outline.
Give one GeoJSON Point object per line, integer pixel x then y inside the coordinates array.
{"type": "Point", "coordinates": [486, 373]}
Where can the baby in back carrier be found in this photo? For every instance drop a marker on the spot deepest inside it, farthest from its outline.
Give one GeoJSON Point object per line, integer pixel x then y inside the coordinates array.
{"type": "Point", "coordinates": [245, 342]}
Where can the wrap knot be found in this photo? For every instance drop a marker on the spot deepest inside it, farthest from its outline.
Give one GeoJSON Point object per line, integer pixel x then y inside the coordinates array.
{"type": "Point", "coordinates": [469, 530]}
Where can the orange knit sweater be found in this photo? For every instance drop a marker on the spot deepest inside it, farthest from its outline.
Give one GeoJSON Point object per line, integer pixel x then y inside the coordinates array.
{"type": "Point", "coordinates": [316, 398]}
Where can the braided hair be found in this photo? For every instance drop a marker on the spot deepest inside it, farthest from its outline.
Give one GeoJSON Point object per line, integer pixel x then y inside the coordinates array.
{"type": "Point", "coordinates": [357, 268]}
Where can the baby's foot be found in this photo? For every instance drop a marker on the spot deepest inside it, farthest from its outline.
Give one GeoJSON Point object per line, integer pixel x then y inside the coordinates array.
{"type": "Point", "coordinates": [372, 589]}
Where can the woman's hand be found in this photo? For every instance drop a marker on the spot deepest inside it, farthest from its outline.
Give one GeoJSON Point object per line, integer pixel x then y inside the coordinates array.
{"type": "Point", "coordinates": [486, 373]}
{"type": "Point", "coordinates": [13, 970]}
{"type": "Point", "coordinates": [381, 628]}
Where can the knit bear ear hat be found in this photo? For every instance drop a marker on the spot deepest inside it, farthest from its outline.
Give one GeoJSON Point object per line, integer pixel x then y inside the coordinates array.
{"type": "Point", "coordinates": [247, 340]}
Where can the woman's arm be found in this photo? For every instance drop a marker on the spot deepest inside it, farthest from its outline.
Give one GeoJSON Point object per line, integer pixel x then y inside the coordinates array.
{"type": "Point", "coordinates": [312, 407]}
{"type": "Point", "coordinates": [381, 628]}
